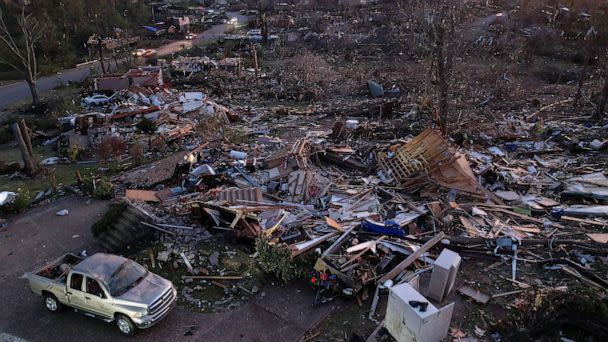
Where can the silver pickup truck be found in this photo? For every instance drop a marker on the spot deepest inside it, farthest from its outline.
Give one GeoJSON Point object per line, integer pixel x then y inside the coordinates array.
{"type": "Point", "coordinates": [106, 286]}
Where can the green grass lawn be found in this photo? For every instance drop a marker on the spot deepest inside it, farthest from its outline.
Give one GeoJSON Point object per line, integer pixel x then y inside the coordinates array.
{"type": "Point", "coordinates": [65, 174]}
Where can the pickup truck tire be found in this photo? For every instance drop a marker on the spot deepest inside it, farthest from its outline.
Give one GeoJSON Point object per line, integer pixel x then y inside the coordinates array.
{"type": "Point", "coordinates": [125, 325]}
{"type": "Point", "coordinates": [51, 303]}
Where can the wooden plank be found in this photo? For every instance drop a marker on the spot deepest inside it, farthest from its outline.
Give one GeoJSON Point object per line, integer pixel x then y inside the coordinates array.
{"type": "Point", "coordinates": [525, 217]}
{"type": "Point", "coordinates": [599, 237]}
{"type": "Point", "coordinates": [410, 259]}
{"type": "Point", "coordinates": [477, 295]}
{"type": "Point", "coordinates": [338, 242]}
{"type": "Point", "coordinates": [370, 245]}
{"type": "Point", "coordinates": [157, 228]}
{"type": "Point", "coordinates": [332, 223]}
{"type": "Point", "coordinates": [216, 277]}
{"type": "Point", "coordinates": [152, 259]}
{"type": "Point", "coordinates": [498, 295]}
{"type": "Point", "coordinates": [236, 219]}
{"type": "Point", "coordinates": [579, 220]}
{"type": "Point", "coordinates": [308, 245]}
{"type": "Point", "coordinates": [141, 195]}
{"type": "Point", "coordinates": [470, 227]}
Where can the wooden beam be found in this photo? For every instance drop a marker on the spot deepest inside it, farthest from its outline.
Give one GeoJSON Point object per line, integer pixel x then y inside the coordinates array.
{"type": "Point", "coordinates": [413, 257]}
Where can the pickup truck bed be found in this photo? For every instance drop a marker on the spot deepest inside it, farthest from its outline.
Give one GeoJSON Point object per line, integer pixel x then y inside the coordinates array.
{"type": "Point", "coordinates": [52, 276]}
{"type": "Point", "coordinates": [58, 268]}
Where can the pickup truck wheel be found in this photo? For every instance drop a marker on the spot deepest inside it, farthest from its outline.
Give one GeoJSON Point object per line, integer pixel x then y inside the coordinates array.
{"type": "Point", "coordinates": [51, 303]}
{"type": "Point", "coordinates": [125, 325]}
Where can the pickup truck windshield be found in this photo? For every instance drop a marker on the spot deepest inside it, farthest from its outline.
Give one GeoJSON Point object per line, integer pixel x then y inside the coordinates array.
{"type": "Point", "coordinates": [128, 275]}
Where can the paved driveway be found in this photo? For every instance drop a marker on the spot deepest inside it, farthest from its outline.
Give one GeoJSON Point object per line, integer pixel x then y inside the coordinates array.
{"type": "Point", "coordinates": [283, 314]}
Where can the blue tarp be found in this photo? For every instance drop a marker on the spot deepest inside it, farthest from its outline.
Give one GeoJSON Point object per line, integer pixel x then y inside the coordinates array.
{"type": "Point", "coordinates": [150, 28]}
{"type": "Point", "coordinates": [389, 227]}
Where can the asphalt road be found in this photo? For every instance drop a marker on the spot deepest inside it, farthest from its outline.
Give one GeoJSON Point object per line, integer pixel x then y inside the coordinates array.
{"type": "Point", "coordinates": [12, 93]}
{"type": "Point", "coordinates": [277, 313]}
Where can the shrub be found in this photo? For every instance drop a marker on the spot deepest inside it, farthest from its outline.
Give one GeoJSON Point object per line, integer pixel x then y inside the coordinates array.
{"type": "Point", "coordinates": [98, 188]}
{"type": "Point", "coordinates": [111, 147]}
{"type": "Point", "coordinates": [277, 260]}
{"type": "Point", "coordinates": [6, 134]}
{"type": "Point", "coordinates": [146, 126]}
{"type": "Point", "coordinates": [137, 152]}
{"type": "Point", "coordinates": [109, 219]}
{"type": "Point", "coordinates": [73, 153]}
{"type": "Point", "coordinates": [19, 204]}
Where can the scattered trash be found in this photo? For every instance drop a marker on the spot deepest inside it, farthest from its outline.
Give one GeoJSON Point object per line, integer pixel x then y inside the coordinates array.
{"type": "Point", "coordinates": [63, 212]}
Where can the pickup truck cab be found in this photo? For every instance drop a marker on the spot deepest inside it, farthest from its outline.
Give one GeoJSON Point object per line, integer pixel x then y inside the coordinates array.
{"type": "Point", "coordinates": [105, 286]}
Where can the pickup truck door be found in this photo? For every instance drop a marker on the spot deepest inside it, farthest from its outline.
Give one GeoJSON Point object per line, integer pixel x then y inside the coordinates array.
{"type": "Point", "coordinates": [75, 293]}
{"type": "Point", "coordinates": [96, 298]}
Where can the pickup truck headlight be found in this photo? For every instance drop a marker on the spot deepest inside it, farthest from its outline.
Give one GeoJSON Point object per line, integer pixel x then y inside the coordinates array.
{"type": "Point", "coordinates": [140, 314]}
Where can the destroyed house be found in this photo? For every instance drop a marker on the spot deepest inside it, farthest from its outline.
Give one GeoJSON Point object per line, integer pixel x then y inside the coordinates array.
{"type": "Point", "coordinates": [134, 78]}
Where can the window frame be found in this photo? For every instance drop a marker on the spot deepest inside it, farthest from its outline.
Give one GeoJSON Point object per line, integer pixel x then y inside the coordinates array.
{"type": "Point", "coordinates": [81, 281]}
{"type": "Point", "coordinates": [101, 287]}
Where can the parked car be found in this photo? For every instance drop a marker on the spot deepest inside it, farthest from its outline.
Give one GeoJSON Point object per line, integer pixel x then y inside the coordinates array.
{"type": "Point", "coordinates": [149, 52]}
{"type": "Point", "coordinates": [254, 32]}
{"type": "Point", "coordinates": [191, 36]}
{"type": "Point", "coordinates": [105, 286]}
{"type": "Point", "coordinates": [96, 100]}
{"type": "Point", "coordinates": [139, 52]}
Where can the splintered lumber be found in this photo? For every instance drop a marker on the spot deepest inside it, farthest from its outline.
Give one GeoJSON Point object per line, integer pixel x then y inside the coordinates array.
{"type": "Point", "coordinates": [218, 284]}
{"type": "Point", "coordinates": [474, 294]}
{"type": "Point", "coordinates": [186, 261]}
{"type": "Point", "coordinates": [413, 257]}
{"type": "Point", "coordinates": [372, 337]}
{"type": "Point", "coordinates": [599, 237]}
{"type": "Point", "coordinates": [152, 258]}
{"type": "Point", "coordinates": [302, 247]}
{"type": "Point", "coordinates": [579, 220]}
{"type": "Point", "coordinates": [372, 310]}
{"type": "Point", "coordinates": [157, 228]}
{"type": "Point", "coordinates": [367, 246]}
{"type": "Point", "coordinates": [332, 223]}
{"type": "Point", "coordinates": [216, 277]}
{"type": "Point", "coordinates": [525, 217]}
{"type": "Point", "coordinates": [504, 294]}
{"type": "Point", "coordinates": [337, 243]}
{"type": "Point", "coordinates": [174, 226]}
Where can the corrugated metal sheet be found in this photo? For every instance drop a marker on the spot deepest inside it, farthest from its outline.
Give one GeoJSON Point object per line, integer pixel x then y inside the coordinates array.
{"type": "Point", "coordinates": [233, 194]}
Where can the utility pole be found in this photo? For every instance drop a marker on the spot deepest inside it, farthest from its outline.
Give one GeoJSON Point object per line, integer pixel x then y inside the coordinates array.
{"type": "Point", "coordinates": [255, 59]}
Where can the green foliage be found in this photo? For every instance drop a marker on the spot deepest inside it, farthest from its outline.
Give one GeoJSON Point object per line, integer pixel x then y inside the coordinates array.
{"type": "Point", "coordinates": [6, 134]}
{"type": "Point", "coordinates": [73, 153]}
{"type": "Point", "coordinates": [109, 219]}
{"type": "Point", "coordinates": [98, 188]}
{"type": "Point", "coordinates": [69, 23]}
{"type": "Point", "coordinates": [277, 260]}
{"type": "Point", "coordinates": [146, 126]}
{"type": "Point", "coordinates": [19, 204]}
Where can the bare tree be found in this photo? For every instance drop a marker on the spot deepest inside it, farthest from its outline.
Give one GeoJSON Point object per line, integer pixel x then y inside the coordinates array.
{"type": "Point", "coordinates": [589, 52]}
{"type": "Point", "coordinates": [599, 113]}
{"type": "Point", "coordinates": [439, 21]}
{"type": "Point", "coordinates": [22, 48]}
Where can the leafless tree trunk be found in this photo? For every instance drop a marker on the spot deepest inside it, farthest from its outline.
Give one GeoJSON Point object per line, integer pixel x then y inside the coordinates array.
{"type": "Point", "coordinates": [600, 111]}
{"type": "Point", "coordinates": [589, 49]}
{"type": "Point", "coordinates": [22, 138]}
{"type": "Point", "coordinates": [23, 51]}
{"type": "Point", "coordinates": [439, 21]}
{"type": "Point", "coordinates": [100, 50]}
